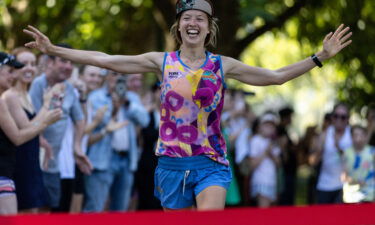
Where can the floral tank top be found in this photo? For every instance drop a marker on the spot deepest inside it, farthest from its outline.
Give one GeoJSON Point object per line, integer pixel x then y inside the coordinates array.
{"type": "Point", "coordinates": [191, 106]}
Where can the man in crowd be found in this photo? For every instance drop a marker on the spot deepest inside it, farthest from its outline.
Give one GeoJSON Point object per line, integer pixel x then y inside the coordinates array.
{"type": "Point", "coordinates": [113, 150]}
{"type": "Point", "coordinates": [57, 71]}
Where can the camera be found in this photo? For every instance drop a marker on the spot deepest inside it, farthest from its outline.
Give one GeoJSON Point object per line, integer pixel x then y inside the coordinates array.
{"type": "Point", "coordinates": [120, 87]}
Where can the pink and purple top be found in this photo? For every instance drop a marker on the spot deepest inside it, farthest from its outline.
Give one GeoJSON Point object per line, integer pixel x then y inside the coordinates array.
{"type": "Point", "coordinates": [191, 106]}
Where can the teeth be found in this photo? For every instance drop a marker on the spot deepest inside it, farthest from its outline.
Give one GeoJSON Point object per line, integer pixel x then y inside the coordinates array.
{"type": "Point", "coordinates": [28, 75]}
{"type": "Point", "coordinates": [192, 32]}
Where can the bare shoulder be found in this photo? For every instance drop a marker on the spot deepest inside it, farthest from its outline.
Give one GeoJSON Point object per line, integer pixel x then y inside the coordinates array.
{"type": "Point", "coordinates": [3, 106]}
{"type": "Point", "coordinates": [10, 96]}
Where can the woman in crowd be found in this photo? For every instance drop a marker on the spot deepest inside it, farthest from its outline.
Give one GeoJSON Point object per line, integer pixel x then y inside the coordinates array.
{"type": "Point", "coordinates": [329, 152]}
{"type": "Point", "coordinates": [12, 134]}
{"type": "Point", "coordinates": [264, 161]}
{"type": "Point", "coordinates": [31, 193]}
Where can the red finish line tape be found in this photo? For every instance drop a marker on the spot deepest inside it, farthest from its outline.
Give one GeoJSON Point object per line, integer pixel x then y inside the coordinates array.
{"type": "Point", "coordinates": [363, 214]}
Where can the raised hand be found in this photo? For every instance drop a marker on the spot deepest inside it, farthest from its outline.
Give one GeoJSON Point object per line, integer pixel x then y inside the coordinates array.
{"type": "Point", "coordinates": [334, 42]}
{"type": "Point", "coordinates": [41, 41]}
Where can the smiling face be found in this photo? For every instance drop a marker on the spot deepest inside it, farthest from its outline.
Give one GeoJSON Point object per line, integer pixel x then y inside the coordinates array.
{"type": "Point", "coordinates": [92, 77]}
{"type": "Point", "coordinates": [59, 69]}
{"type": "Point", "coordinates": [193, 27]}
{"type": "Point", "coordinates": [27, 73]}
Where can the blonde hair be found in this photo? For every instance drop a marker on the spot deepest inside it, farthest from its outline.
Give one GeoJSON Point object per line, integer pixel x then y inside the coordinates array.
{"type": "Point", "coordinates": [211, 37]}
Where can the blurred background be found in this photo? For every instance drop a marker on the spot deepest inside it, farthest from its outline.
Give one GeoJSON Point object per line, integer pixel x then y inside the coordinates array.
{"type": "Point", "coordinates": [264, 33]}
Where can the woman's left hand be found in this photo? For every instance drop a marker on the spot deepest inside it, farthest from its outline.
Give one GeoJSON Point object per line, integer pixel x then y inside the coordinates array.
{"type": "Point", "coordinates": [333, 43]}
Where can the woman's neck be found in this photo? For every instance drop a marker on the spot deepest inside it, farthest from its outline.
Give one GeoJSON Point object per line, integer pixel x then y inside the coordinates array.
{"type": "Point", "coordinates": [21, 87]}
{"type": "Point", "coordinates": [192, 53]}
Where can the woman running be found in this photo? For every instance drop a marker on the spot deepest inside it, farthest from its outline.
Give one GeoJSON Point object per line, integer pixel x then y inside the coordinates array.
{"type": "Point", "coordinates": [192, 168]}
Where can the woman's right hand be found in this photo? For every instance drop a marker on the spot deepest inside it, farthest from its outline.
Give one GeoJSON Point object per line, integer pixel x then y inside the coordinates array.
{"type": "Point", "coordinates": [41, 41]}
{"type": "Point", "coordinates": [51, 116]}
{"type": "Point", "coordinates": [53, 97]}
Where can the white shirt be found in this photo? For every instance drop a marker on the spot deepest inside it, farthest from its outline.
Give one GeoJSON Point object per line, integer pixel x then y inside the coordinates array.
{"type": "Point", "coordinates": [332, 165]}
{"type": "Point", "coordinates": [241, 145]}
{"type": "Point", "coordinates": [120, 138]}
{"type": "Point", "coordinates": [66, 158]}
{"type": "Point", "coordinates": [266, 172]}
{"type": "Point", "coordinates": [89, 120]}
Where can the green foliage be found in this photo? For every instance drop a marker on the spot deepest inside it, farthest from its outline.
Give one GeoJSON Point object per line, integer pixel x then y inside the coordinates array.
{"type": "Point", "coordinates": [113, 26]}
{"type": "Point", "coordinates": [358, 60]}
{"type": "Point", "coordinates": [136, 26]}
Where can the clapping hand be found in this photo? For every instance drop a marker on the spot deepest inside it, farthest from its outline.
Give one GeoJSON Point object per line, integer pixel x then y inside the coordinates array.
{"type": "Point", "coordinates": [114, 125]}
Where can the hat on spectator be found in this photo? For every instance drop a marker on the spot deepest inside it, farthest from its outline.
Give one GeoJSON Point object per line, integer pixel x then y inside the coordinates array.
{"type": "Point", "coordinates": [269, 117]}
{"type": "Point", "coordinates": [10, 60]}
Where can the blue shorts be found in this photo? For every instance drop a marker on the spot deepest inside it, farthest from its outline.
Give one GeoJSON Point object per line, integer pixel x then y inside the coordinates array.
{"type": "Point", "coordinates": [179, 180]}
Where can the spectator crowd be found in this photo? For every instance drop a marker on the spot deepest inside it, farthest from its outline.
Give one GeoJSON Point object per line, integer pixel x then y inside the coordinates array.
{"type": "Point", "coordinates": [91, 134]}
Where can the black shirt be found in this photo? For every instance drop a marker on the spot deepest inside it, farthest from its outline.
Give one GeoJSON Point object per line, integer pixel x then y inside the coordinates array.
{"type": "Point", "coordinates": [7, 156]}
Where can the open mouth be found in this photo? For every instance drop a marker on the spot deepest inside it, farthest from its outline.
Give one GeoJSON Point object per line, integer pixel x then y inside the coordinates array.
{"type": "Point", "coordinates": [192, 32]}
{"type": "Point", "coordinates": [28, 75]}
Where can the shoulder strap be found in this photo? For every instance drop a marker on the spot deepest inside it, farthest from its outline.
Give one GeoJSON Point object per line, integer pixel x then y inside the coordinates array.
{"type": "Point", "coordinates": [164, 60]}
{"type": "Point", "coordinates": [222, 72]}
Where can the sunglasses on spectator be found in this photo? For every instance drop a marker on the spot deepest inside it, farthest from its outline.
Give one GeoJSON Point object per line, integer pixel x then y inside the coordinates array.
{"type": "Point", "coordinates": [339, 116]}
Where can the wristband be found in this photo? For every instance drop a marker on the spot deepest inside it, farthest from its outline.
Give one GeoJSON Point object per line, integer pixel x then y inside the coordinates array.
{"type": "Point", "coordinates": [316, 61]}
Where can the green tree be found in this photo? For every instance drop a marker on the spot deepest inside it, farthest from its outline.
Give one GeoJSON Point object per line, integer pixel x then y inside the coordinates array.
{"type": "Point", "coordinates": [135, 26]}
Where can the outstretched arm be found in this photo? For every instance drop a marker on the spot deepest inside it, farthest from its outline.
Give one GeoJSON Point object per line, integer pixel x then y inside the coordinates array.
{"type": "Point", "coordinates": [333, 43]}
{"type": "Point", "coordinates": [148, 62]}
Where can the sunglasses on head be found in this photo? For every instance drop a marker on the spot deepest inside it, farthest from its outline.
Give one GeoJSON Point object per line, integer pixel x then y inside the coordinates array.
{"type": "Point", "coordinates": [340, 116]}
{"type": "Point", "coordinates": [7, 59]}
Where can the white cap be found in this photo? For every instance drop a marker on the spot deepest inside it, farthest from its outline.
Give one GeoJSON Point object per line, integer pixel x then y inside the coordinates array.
{"type": "Point", "coordinates": [269, 117]}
